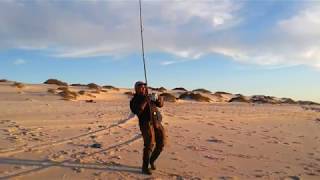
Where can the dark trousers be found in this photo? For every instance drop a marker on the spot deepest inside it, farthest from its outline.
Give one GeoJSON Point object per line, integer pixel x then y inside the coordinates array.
{"type": "Point", "coordinates": [154, 139]}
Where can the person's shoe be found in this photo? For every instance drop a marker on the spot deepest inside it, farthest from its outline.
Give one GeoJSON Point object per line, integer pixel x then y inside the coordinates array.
{"type": "Point", "coordinates": [146, 171]}
{"type": "Point", "coordinates": [153, 167]}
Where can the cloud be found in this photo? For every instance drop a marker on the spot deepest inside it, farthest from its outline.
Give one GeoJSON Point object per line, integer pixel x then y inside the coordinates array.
{"type": "Point", "coordinates": [19, 62]}
{"type": "Point", "coordinates": [186, 29]}
{"type": "Point", "coordinates": [166, 63]}
{"type": "Point", "coordinates": [88, 28]}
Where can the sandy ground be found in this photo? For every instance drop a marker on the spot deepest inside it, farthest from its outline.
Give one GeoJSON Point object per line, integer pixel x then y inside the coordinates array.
{"type": "Point", "coordinates": [44, 137]}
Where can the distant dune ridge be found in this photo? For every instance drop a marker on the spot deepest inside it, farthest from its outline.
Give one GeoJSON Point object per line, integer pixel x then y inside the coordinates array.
{"type": "Point", "coordinates": [174, 95]}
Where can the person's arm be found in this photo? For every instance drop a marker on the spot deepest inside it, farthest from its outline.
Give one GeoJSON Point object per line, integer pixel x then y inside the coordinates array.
{"type": "Point", "coordinates": [138, 107]}
{"type": "Point", "coordinates": [159, 101]}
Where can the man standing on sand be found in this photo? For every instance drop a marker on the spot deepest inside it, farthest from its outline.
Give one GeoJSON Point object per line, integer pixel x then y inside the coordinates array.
{"type": "Point", "coordinates": [145, 107]}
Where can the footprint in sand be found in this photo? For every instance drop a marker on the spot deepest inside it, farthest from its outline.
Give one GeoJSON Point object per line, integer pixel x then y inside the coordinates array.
{"type": "Point", "coordinates": [213, 158]}
{"type": "Point", "coordinates": [214, 140]}
{"type": "Point", "coordinates": [176, 159]}
{"type": "Point", "coordinates": [78, 170]}
{"type": "Point", "coordinates": [227, 178]}
{"type": "Point", "coordinates": [291, 178]}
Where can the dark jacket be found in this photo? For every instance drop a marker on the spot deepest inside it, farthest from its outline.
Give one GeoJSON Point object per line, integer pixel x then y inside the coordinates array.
{"type": "Point", "coordinates": [139, 105]}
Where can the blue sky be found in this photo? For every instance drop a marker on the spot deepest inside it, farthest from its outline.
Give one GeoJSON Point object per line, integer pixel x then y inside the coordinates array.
{"type": "Point", "coordinates": [247, 47]}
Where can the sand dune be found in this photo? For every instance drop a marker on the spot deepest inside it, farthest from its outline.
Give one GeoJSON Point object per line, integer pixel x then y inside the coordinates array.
{"type": "Point", "coordinates": [45, 137]}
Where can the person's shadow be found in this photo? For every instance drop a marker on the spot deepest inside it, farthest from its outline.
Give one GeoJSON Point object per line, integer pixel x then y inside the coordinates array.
{"type": "Point", "coordinates": [43, 164]}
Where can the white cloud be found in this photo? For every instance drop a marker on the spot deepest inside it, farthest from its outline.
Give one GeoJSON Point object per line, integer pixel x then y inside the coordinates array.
{"type": "Point", "coordinates": [19, 62]}
{"type": "Point", "coordinates": [187, 29]}
{"type": "Point", "coordinates": [166, 63]}
{"type": "Point", "coordinates": [87, 28]}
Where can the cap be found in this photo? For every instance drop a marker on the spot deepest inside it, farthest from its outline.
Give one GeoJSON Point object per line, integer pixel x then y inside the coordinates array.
{"type": "Point", "coordinates": [139, 83]}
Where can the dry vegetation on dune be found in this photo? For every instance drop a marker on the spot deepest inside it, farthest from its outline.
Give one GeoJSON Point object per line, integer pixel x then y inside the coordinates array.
{"type": "Point", "coordinates": [287, 101]}
{"type": "Point", "coordinates": [307, 103]}
{"type": "Point", "coordinates": [78, 85]}
{"type": "Point", "coordinates": [161, 89]}
{"type": "Point", "coordinates": [222, 92]}
{"type": "Point", "coordinates": [82, 92]}
{"type": "Point", "coordinates": [194, 96]}
{"type": "Point", "coordinates": [63, 88]}
{"type": "Point", "coordinates": [239, 98]}
{"type": "Point", "coordinates": [111, 87]}
{"type": "Point", "coordinates": [263, 99]}
{"type": "Point", "coordinates": [129, 93]}
{"type": "Point", "coordinates": [168, 97]}
{"type": "Point", "coordinates": [56, 82]}
{"type": "Point", "coordinates": [96, 91]}
{"type": "Point", "coordinates": [3, 80]}
{"type": "Point", "coordinates": [93, 86]}
{"type": "Point", "coordinates": [202, 90]}
{"type": "Point", "coordinates": [66, 94]}
{"type": "Point", "coordinates": [179, 89]}
{"type": "Point", "coordinates": [52, 91]}
{"type": "Point", "coordinates": [18, 85]}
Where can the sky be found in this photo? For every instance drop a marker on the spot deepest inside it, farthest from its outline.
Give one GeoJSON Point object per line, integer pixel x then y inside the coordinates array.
{"type": "Point", "coordinates": [252, 47]}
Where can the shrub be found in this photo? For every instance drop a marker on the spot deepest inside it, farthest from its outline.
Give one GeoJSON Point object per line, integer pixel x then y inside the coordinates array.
{"type": "Point", "coordinates": [68, 95]}
{"type": "Point", "coordinates": [55, 81]}
{"type": "Point", "coordinates": [263, 99]}
{"type": "Point", "coordinates": [3, 80]}
{"type": "Point", "coordinates": [307, 103]}
{"type": "Point", "coordinates": [202, 91]}
{"type": "Point", "coordinates": [90, 95]}
{"type": "Point", "coordinates": [97, 91]}
{"type": "Point", "coordinates": [239, 98]}
{"type": "Point", "coordinates": [161, 89]}
{"type": "Point", "coordinates": [111, 87]}
{"type": "Point", "coordinates": [78, 85]}
{"type": "Point", "coordinates": [82, 92]}
{"type": "Point", "coordinates": [63, 88]}
{"type": "Point", "coordinates": [18, 85]}
{"type": "Point", "coordinates": [287, 101]}
{"type": "Point", "coordinates": [168, 97]}
{"type": "Point", "coordinates": [93, 86]}
{"type": "Point", "coordinates": [180, 89]}
{"type": "Point", "coordinates": [129, 93]}
{"type": "Point", "coordinates": [194, 96]}
{"type": "Point", "coordinates": [221, 92]}
{"type": "Point", "coordinates": [53, 91]}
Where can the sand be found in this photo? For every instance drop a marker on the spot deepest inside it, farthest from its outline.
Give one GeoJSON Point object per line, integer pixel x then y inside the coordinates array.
{"type": "Point", "coordinates": [45, 137]}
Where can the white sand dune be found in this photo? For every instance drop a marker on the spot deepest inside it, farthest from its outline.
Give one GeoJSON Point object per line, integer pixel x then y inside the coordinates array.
{"type": "Point", "coordinates": [44, 137]}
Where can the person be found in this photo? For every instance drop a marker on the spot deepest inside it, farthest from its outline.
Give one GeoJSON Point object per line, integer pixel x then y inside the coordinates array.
{"type": "Point", "coordinates": [145, 107]}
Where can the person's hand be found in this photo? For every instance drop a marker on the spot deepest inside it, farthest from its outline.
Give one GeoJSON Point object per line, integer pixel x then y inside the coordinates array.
{"type": "Point", "coordinates": [154, 97]}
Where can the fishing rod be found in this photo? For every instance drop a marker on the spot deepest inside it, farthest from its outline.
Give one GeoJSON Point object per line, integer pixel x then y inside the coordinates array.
{"type": "Point", "coordinates": [142, 46]}
{"type": "Point", "coordinates": [144, 60]}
